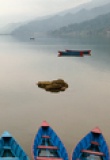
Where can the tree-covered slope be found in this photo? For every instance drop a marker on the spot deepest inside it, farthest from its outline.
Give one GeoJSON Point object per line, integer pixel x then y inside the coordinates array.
{"type": "Point", "coordinates": [97, 26]}
{"type": "Point", "coordinates": [55, 22]}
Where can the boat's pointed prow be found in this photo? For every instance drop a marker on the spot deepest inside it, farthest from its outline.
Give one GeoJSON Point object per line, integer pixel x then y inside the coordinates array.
{"type": "Point", "coordinates": [96, 130]}
{"type": "Point", "coordinates": [6, 134]}
{"type": "Point", "coordinates": [47, 145]}
{"type": "Point", "coordinates": [92, 146]}
{"type": "Point", "coordinates": [10, 149]}
{"type": "Point", "coordinates": [45, 124]}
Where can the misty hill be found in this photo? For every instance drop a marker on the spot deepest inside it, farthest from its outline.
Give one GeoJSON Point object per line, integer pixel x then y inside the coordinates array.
{"type": "Point", "coordinates": [97, 26]}
{"type": "Point", "coordinates": [42, 26]}
{"type": "Point", "coordinates": [87, 5]}
{"type": "Point", "coordinates": [9, 28]}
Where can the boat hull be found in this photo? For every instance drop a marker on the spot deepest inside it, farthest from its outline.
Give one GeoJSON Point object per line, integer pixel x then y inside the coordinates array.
{"type": "Point", "coordinates": [47, 145]}
{"type": "Point", "coordinates": [92, 146]}
{"type": "Point", "coordinates": [10, 149]}
{"type": "Point", "coordinates": [83, 52]}
{"type": "Point", "coordinates": [70, 54]}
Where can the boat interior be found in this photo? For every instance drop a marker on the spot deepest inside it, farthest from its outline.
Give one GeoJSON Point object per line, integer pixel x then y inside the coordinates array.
{"type": "Point", "coordinates": [91, 157]}
{"type": "Point", "coordinates": [46, 148]}
{"type": "Point", "coordinates": [9, 148]}
{"type": "Point", "coordinates": [92, 147]}
{"type": "Point", "coordinates": [47, 145]}
{"type": "Point", "coordinates": [92, 153]}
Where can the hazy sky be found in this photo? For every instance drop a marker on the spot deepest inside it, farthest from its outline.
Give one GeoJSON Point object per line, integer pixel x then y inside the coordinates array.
{"type": "Point", "coordinates": [20, 10]}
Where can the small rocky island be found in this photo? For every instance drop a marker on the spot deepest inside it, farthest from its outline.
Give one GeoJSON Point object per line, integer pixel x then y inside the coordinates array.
{"type": "Point", "coordinates": [53, 86]}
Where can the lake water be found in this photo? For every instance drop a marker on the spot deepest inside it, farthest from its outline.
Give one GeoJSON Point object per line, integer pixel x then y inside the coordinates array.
{"type": "Point", "coordinates": [73, 113]}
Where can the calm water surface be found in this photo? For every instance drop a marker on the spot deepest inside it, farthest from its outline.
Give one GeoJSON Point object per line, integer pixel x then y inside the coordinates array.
{"type": "Point", "coordinates": [73, 113]}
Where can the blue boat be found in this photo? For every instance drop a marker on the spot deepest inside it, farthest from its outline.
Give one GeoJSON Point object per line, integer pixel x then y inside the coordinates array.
{"type": "Point", "coordinates": [82, 52]}
{"type": "Point", "coordinates": [47, 145]}
{"type": "Point", "coordinates": [69, 54]}
{"type": "Point", "coordinates": [10, 149]}
{"type": "Point", "coordinates": [92, 147]}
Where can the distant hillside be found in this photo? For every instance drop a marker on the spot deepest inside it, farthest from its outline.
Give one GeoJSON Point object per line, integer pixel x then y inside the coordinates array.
{"type": "Point", "coordinates": [39, 27]}
{"type": "Point", "coordinates": [9, 28]}
{"type": "Point", "coordinates": [97, 26]}
{"type": "Point", "coordinates": [87, 6]}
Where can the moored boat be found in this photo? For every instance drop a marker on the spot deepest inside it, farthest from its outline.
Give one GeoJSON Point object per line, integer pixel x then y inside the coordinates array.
{"type": "Point", "coordinates": [84, 52]}
{"type": "Point", "coordinates": [10, 149]}
{"type": "Point", "coordinates": [32, 38]}
{"type": "Point", "coordinates": [92, 147]}
{"type": "Point", "coordinates": [70, 54]}
{"type": "Point", "coordinates": [47, 145]}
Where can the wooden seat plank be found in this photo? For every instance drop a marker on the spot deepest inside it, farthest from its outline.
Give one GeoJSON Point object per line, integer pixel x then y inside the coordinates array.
{"type": "Point", "coordinates": [47, 147]}
{"type": "Point", "coordinates": [45, 136]}
{"type": "Point", "coordinates": [95, 143]}
{"type": "Point", "coordinates": [92, 152]}
{"type": "Point", "coordinates": [48, 158]}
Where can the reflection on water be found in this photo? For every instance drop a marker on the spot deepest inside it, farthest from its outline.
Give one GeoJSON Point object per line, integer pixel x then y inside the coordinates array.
{"type": "Point", "coordinates": [73, 113]}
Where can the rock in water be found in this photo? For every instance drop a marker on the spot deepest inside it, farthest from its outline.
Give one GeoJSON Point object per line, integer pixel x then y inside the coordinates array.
{"type": "Point", "coordinates": [43, 84]}
{"type": "Point", "coordinates": [53, 86]}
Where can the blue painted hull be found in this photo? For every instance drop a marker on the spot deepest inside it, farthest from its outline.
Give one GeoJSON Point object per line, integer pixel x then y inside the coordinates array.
{"type": "Point", "coordinates": [70, 54]}
{"type": "Point", "coordinates": [83, 52]}
{"type": "Point", "coordinates": [10, 149]}
{"type": "Point", "coordinates": [47, 145]}
{"type": "Point", "coordinates": [92, 147]}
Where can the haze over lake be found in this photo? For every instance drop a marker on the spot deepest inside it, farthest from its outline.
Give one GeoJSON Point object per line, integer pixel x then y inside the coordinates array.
{"type": "Point", "coordinates": [73, 113]}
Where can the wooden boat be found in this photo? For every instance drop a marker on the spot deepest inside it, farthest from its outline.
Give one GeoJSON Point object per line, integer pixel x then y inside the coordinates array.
{"type": "Point", "coordinates": [83, 52]}
{"type": "Point", "coordinates": [32, 38]}
{"type": "Point", "coordinates": [47, 145]}
{"type": "Point", "coordinates": [92, 147]}
{"type": "Point", "coordinates": [70, 54]}
{"type": "Point", "coordinates": [10, 149]}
